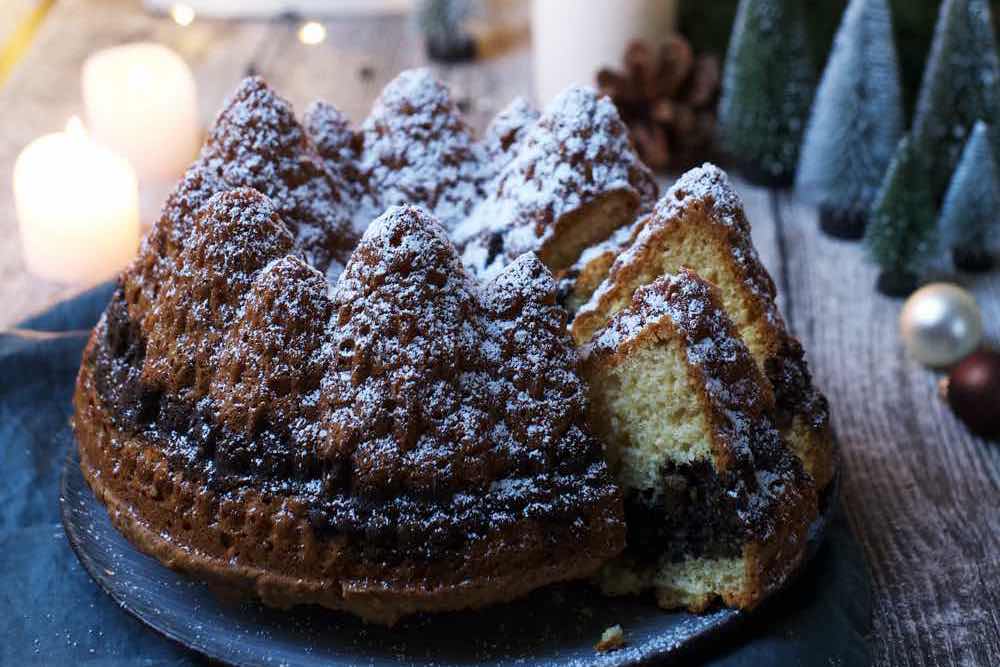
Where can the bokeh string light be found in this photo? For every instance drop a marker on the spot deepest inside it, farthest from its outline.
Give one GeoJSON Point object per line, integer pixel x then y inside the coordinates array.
{"type": "Point", "coordinates": [312, 33]}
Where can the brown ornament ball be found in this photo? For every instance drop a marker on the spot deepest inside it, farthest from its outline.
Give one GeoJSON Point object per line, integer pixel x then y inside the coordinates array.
{"type": "Point", "coordinates": [973, 392]}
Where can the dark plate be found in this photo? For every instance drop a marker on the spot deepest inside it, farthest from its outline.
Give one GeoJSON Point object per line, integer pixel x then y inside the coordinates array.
{"type": "Point", "coordinates": [554, 626]}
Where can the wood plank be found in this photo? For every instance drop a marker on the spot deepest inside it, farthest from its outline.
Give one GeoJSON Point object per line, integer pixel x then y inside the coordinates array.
{"type": "Point", "coordinates": [921, 493]}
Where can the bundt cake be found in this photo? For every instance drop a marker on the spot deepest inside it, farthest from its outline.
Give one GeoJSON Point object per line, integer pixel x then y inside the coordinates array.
{"type": "Point", "coordinates": [570, 180]}
{"type": "Point", "coordinates": [700, 224]}
{"type": "Point", "coordinates": [554, 183]}
{"type": "Point", "coordinates": [340, 372]}
{"type": "Point", "coordinates": [412, 442]}
{"type": "Point", "coordinates": [716, 505]}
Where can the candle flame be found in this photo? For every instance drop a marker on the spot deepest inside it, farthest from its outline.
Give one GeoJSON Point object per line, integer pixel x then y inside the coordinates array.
{"type": "Point", "coordinates": [183, 15]}
{"type": "Point", "coordinates": [75, 128]}
{"type": "Point", "coordinates": [312, 33]}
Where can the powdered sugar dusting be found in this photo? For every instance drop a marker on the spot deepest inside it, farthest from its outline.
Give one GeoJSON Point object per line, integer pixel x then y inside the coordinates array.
{"type": "Point", "coordinates": [327, 180]}
{"type": "Point", "coordinates": [438, 382]}
{"type": "Point", "coordinates": [505, 135]}
{"type": "Point", "coordinates": [413, 410]}
{"type": "Point", "coordinates": [740, 410]}
{"type": "Point", "coordinates": [271, 362]}
{"type": "Point", "coordinates": [256, 143]}
{"type": "Point", "coordinates": [418, 150]}
{"type": "Point", "coordinates": [412, 395]}
{"type": "Point", "coordinates": [708, 183]}
{"type": "Point", "coordinates": [238, 234]}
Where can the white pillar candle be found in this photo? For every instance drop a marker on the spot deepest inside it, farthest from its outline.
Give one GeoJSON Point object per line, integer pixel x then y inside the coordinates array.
{"type": "Point", "coordinates": [77, 207]}
{"type": "Point", "coordinates": [141, 101]}
{"type": "Point", "coordinates": [573, 39]}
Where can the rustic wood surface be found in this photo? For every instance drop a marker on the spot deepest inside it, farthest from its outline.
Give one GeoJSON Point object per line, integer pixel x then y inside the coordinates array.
{"type": "Point", "coordinates": [922, 495]}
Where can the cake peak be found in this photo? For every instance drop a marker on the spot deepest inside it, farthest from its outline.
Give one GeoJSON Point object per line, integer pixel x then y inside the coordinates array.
{"type": "Point", "coordinates": [576, 155]}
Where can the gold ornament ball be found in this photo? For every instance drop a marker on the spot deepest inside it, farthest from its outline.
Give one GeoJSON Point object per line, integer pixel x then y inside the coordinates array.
{"type": "Point", "coordinates": [940, 324]}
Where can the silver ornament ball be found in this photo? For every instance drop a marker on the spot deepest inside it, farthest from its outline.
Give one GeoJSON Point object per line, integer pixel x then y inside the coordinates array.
{"type": "Point", "coordinates": [940, 324]}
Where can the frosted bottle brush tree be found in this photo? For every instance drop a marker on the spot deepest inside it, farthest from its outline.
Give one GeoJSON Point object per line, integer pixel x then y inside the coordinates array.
{"type": "Point", "coordinates": [961, 85]}
{"type": "Point", "coordinates": [900, 235]}
{"type": "Point", "coordinates": [856, 122]}
{"type": "Point", "coordinates": [767, 89]}
{"type": "Point", "coordinates": [970, 216]}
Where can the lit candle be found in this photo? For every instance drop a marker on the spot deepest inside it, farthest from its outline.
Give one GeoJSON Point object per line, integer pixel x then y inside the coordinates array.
{"type": "Point", "coordinates": [77, 207]}
{"type": "Point", "coordinates": [572, 40]}
{"type": "Point", "coordinates": [142, 102]}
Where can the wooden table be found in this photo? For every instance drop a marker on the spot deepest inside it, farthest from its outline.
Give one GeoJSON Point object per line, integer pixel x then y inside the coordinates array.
{"type": "Point", "coordinates": [922, 495]}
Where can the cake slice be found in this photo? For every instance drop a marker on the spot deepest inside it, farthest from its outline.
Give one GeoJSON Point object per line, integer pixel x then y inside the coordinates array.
{"type": "Point", "coordinates": [700, 224]}
{"type": "Point", "coordinates": [716, 506]}
{"type": "Point", "coordinates": [573, 181]}
{"type": "Point", "coordinates": [579, 282]}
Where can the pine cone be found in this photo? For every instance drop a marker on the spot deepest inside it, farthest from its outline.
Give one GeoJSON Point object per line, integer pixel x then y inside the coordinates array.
{"type": "Point", "coordinates": [667, 100]}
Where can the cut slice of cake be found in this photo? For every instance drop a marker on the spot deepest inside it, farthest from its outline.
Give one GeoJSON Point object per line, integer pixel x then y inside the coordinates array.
{"type": "Point", "coordinates": [573, 182]}
{"type": "Point", "coordinates": [700, 224]}
{"type": "Point", "coordinates": [716, 506]}
{"type": "Point", "coordinates": [255, 142]}
{"type": "Point", "coordinates": [579, 282]}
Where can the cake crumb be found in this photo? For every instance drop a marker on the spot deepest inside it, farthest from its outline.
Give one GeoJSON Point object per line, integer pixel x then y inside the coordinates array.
{"type": "Point", "coordinates": [611, 640]}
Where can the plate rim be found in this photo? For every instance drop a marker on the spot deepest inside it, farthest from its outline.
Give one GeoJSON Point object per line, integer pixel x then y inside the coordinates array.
{"type": "Point", "coordinates": [829, 503]}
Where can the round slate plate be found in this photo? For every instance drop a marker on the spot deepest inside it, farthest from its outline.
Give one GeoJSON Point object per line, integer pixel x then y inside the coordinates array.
{"type": "Point", "coordinates": [555, 626]}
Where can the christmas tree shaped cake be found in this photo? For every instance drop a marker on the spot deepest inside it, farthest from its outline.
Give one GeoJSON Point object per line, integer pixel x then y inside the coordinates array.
{"type": "Point", "coordinates": [856, 123]}
{"type": "Point", "coordinates": [716, 506]}
{"type": "Point", "coordinates": [413, 441]}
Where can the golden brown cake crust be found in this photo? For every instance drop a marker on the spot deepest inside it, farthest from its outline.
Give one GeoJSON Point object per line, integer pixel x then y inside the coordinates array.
{"type": "Point", "coordinates": [245, 545]}
{"type": "Point", "coordinates": [703, 209]}
{"type": "Point", "coordinates": [412, 440]}
{"type": "Point", "coordinates": [282, 410]}
{"type": "Point", "coordinates": [768, 499]}
{"type": "Point", "coordinates": [572, 182]}
{"type": "Point", "coordinates": [415, 442]}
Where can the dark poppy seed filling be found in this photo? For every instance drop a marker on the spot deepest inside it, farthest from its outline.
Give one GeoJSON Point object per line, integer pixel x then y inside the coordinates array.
{"type": "Point", "coordinates": [693, 516]}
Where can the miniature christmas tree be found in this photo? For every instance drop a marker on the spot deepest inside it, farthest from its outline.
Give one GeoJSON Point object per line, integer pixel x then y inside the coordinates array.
{"type": "Point", "coordinates": [961, 85]}
{"type": "Point", "coordinates": [767, 89]}
{"type": "Point", "coordinates": [445, 37]}
{"type": "Point", "coordinates": [900, 232]}
{"type": "Point", "coordinates": [971, 212]}
{"type": "Point", "coordinates": [856, 122]}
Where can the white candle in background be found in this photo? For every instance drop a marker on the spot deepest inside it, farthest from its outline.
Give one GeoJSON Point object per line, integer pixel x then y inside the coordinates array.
{"type": "Point", "coordinates": [77, 207]}
{"type": "Point", "coordinates": [573, 39]}
{"type": "Point", "coordinates": [141, 101]}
